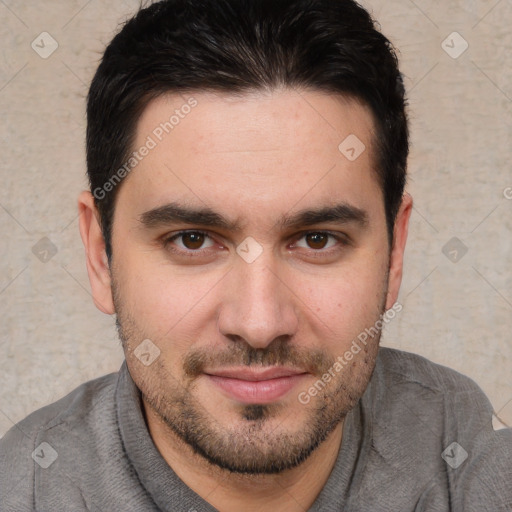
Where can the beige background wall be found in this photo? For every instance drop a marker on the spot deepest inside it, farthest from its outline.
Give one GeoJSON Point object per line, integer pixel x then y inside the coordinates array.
{"type": "Point", "coordinates": [457, 313]}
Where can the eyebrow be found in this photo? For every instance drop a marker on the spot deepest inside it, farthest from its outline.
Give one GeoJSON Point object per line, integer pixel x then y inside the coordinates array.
{"type": "Point", "coordinates": [177, 213]}
{"type": "Point", "coordinates": [173, 213]}
{"type": "Point", "coordinates": [340, 214]}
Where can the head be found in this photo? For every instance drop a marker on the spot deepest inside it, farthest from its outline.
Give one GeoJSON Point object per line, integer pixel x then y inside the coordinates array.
{"type": "Point", "coordinates": [247, 164]}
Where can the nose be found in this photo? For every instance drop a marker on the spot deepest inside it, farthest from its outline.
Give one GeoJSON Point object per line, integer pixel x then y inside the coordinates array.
{"type": "Point", "coordinates": [258, 304]}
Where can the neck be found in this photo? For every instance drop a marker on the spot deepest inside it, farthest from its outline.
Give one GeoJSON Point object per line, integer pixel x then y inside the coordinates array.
{"type": "Point", "coordinates": [293, 490]}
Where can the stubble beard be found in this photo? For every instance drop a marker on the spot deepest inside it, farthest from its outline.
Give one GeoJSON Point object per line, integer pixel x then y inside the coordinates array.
{"type": "Point", "coordinates": [258, 443]}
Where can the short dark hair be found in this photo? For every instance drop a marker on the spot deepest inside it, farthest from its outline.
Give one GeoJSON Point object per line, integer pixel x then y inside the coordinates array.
{"type": "Point", "coordinates": [236, 46]}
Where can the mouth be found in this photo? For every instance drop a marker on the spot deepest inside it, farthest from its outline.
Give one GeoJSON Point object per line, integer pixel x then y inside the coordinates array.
{"type": "Point", "coordinates": [256, 385]}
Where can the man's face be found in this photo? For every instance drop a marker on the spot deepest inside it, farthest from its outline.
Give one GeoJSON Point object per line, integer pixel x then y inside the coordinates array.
{"type": "Point", "coordinates": [251, 252]}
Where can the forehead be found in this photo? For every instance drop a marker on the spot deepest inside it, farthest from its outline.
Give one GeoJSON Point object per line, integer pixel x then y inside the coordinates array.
{"type": "Point", "coordinates": [257, 151]}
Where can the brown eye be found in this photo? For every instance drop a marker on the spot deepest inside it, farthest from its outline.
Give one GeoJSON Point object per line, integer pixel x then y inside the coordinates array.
{"type": "Point", "coordinates": [197, 245]}
{"type": "Point", "coordinates": [317, 240]}
{"type": "Point", "coordinates": [193, 240]}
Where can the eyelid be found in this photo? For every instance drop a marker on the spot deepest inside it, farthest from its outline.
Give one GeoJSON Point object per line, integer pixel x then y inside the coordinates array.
{"type": "Point", "coordinates": [341, 238]}
{"type": "Point", "coordinates": [176, 234]}
{"type": "Point", "coordinates": [167, 239]}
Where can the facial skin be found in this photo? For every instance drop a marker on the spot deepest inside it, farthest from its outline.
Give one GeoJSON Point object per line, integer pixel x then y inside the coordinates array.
{"type": "Point", "coordinates": [238, 340]}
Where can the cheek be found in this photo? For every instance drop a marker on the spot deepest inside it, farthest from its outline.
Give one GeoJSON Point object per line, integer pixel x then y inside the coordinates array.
{"type": "Point", "coordinates": [164, 304]}
{"type": "Point", "coordinates": [345, 303]}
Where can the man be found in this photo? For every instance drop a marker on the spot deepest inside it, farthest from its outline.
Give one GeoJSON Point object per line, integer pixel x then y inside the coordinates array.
{"type": "Point", "coordinates": [246, 223]}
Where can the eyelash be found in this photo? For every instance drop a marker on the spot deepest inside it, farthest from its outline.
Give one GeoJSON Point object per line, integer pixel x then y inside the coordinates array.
{"type": "Point", "coordinates": [167, 242]}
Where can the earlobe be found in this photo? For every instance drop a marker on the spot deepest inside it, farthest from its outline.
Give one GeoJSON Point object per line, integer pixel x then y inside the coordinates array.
{"type": "Point", "coordinates": [398, 249]}
{"type": "Point", "coordinates": [96, 257]}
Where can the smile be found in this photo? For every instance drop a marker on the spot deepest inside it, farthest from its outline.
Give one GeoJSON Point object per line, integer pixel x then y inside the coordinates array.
{"type": "Point", "coordinates": [260, 386]}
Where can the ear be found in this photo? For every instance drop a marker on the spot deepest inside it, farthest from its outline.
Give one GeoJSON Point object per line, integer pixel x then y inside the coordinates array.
{"type": "Point", "coordinates": [96, 256]}
{"type": "Point", "coordinates": [397, 250]}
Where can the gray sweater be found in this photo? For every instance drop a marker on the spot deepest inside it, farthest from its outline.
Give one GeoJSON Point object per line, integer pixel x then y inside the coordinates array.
{"type": "Point", "coordinates": [420, 439]}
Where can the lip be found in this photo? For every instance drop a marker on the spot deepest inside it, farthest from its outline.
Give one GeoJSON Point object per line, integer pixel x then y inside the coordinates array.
{"type": "Point", "coordinates": [255, 386]}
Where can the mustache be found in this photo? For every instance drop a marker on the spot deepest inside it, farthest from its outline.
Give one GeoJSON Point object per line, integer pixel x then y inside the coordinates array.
{"type": "Point", "coordinates": [278, 353]}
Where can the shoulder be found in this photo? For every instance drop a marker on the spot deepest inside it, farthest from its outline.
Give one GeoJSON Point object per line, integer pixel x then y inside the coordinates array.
{"type": "Point", "coordinates": [71, 408]}
{"type": "Point", "coordinates": [444, 413]}
{"type": "Point", "coordinates": [452, 402]}
{"type": "Point", "coordinates": [404, 368]}
{"type": "Point", "coordinates": [438, 398]}
{"type": "Point", "coordinates": [74, 412]}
